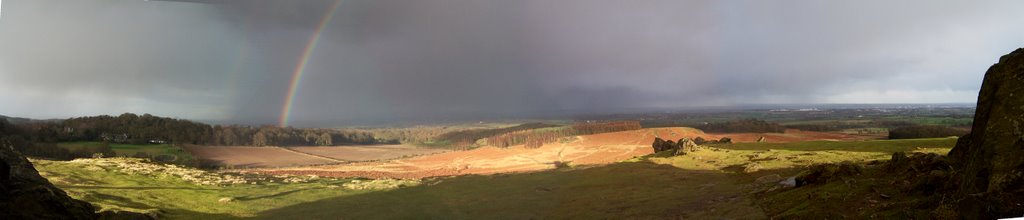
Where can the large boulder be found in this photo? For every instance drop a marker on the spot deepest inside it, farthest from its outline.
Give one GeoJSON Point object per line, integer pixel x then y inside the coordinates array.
{"type": "Point", "coordinates": [26, 195]}
{"type": "Point", "coordinates": [660, 145]}
{"type": "Point", "coordinates": [989, 162]}
{"type": "Point", "coordinates": [991, 158]}
{"type": "Point", "coordinates": [700, 141]}
{"type": "Point", "coordinates": [683, 146]}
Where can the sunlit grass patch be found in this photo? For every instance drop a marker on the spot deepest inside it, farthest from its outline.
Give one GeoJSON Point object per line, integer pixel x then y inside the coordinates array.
{"type": "Point", "coordinates": [183, 193]}
{"type": "Point", "coordinates": [886, 146]}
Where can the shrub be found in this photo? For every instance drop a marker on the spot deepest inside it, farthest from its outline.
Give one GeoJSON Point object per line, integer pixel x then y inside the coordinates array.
{"type": "Point", "coordinates": [699, 141]}
{"type": "Point", "coordinates": [725, 140]}
{"type": "Point", "coordinates": [42, 150]}
{"type": "Point", "coordinates": [562, 165]}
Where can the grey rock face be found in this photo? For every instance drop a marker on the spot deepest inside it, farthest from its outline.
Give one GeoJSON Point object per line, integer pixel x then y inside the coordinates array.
{"type": "Point", "coordinates": [683, 146]}
{"type": "Point", "coordinates": [991, 158]}
{"type": "Point", "coordinates": [26, 195]}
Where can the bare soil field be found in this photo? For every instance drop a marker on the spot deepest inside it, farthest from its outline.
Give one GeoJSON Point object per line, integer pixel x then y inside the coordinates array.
{"type": "Point", "coordinates": [581, 150]}
{"type": "Point", "coordinates": [256, 157]}
{"type": "Point", "coordinates": [366, 153]}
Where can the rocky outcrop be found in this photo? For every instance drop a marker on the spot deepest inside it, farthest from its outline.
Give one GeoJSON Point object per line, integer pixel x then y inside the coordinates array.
{"type": "Point", "coordinates": [991, 159]}
{"type": "Point", "coordinates": [702, 141]}
{"type": "Point", "coordinates": [683, 146]}
{"type": "Point", "coordinates": [660, 145]}
{"type": "Point", "coordinates": [26, 195]}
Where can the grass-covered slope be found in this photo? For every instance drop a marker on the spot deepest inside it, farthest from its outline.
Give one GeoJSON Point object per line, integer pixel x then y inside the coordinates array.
{"type": "Point", "coordinates": [636, 190]}
{"type": "Point", "coordinates": [639, 190]}
{"type": "Point", "coordinates": [182, 193]}
{"type": "Point", "coordinates": [878, 146]}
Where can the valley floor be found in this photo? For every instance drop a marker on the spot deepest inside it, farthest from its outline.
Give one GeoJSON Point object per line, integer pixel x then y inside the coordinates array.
{"type": "Point", "coordinates": [716, 182]}
{"type": "Point", "coordinates": [597, 149]}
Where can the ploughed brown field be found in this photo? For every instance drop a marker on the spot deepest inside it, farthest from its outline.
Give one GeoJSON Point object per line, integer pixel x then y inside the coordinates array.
{"type": "Point", "coordinates": [249, 157]}
{"type": "Point", "coordinates": [269, 157]}
{"type": "Point", "coordinates": [580, 150]}
{"type": "Point", "coordinates": [366, 153]}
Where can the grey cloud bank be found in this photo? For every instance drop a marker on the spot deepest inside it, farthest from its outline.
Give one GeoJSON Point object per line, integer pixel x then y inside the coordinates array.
{"type": "Point", "coordinates": [384, 59]}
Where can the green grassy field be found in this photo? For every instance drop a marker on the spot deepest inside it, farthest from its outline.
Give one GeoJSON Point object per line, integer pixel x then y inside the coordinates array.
{"type": "Point", "coordinates": [881, 146]}
{"type": "Point", "coordinates": [945, 121]}
{"type": "Point", "coordinates": [869, 123]}
{"type": "Point", "coordinates": [173, 197]}
{"type": "Point", "coordinates": [179, 155]}
{"type": "Point", "coordinates": [709, 183]}
{"type": "Point", "coordinates": [578, 193]}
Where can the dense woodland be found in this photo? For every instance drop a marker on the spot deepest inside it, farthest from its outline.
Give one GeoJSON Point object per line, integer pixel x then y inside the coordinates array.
{"type": "Point", "coordinates": [234, 135]}
{"type": "Point", "coordinates": [126, 128]}
{"type": "Point", "coordinates": [135, 129]}
{"type": "Point", "coordinates": [13, 137]}
{"type": "Point", "coordinates": [742, 126]}
{"type": "Point", "coordinates": [537, 137]}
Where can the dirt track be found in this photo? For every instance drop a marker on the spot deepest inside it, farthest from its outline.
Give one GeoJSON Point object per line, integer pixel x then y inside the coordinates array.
{"type": "Point", "coordinates": [583, 150]}
{"type": "Point", "coordinates": [269, 157]}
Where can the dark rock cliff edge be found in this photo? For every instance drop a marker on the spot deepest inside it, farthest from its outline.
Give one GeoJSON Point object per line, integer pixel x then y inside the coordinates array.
{"type": "Point", "coordinates": [26, 195]}
{"type": "Point", "coordinates": [990, 160]}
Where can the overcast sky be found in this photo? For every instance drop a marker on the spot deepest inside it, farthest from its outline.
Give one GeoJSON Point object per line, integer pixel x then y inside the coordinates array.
{"type": "Point", "coordinates": [420, 59]}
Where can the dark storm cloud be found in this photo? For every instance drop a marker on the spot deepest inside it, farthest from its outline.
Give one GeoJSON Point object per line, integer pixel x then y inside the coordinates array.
{"type": "Point", "coordinates": [406, 59]}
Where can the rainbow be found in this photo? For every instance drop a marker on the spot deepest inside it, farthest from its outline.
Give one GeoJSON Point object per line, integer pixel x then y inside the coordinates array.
{"type": "Point", "coordinates": [300, 69]}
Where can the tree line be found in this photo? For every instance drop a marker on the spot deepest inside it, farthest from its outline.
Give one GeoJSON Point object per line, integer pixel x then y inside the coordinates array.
{"type": "Point", "coordinates": [750, 125]}
{"type": "Point", "coordinates": [465, 139]}
{"type": "Point", "coordinates": [536, 138]}
{"type": "Point", "coordinates": [13, 137]}
{"type": "Point", "coordinates": [135, 129]}
{"type": "Point", "coordinates": [234, 135]}
{"type": "Point", "coordinates": [418, 135]}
